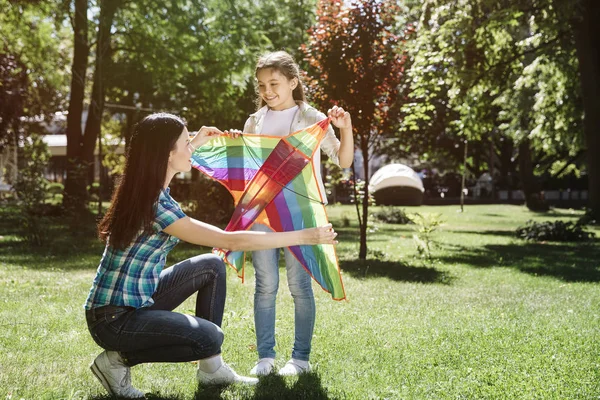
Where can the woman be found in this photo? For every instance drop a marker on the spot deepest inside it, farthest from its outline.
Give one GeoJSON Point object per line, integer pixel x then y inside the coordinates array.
{"type": "Point", "coordinates": [129, 308]}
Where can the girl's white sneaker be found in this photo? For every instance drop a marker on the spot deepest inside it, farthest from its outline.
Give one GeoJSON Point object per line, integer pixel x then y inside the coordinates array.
{"type": "Point", "coordinates": [294, 367]}
{"type": "Point", "coordinates": [264, 366]}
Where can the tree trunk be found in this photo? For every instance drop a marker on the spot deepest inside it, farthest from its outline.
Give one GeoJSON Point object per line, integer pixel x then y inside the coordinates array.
{"type": "Point", "coordinates": [531, 188]}
{"type": "Point", "coordinates": [75, 187]}
{"type": "Point", "coordinates": [464, 176]}
{"type": "Point", "coordinates": [108, 9]}
{"type": "Point", "coordinates": [362, 254]}
{"type": "Point", "coordinates": [587, 40]}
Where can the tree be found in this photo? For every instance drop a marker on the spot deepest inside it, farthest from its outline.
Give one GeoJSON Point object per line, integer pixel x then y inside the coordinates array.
{"type": "Point", "coordinates": [355, 59]}
{"type": "Point", "coordinates": [586, 26]}
{"type": "Point", "coordinates": [33, 82]}
{"type": "Point", "coordinates": [75, 185]}
{"type": "Point", "coordinates": [510, 70]}
{"type": "Point", "coordinates": [13, 81]}
{"type": "Point", "coordinates": [108, 8]}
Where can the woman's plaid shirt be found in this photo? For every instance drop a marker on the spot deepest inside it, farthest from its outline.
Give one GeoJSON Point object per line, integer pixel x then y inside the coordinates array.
{"type": "Point", "coordinates": [129, 277]}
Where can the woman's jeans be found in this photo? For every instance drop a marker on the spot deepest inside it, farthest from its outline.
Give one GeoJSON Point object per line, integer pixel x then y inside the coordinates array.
{"type": "Point", "coordinates": [266, 269]}
{"type": "Point", "coordinates": [156, 334]}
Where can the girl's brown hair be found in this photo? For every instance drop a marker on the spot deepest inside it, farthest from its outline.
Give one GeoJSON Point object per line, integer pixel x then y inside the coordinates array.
{"type": "Point", "coordinates": [285, 64]}
{"type": "Point", "coordinates": [133, 204]}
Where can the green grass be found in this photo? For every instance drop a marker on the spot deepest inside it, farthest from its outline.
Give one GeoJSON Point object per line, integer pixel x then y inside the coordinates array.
{"type": "Point", "coordinates": [492, 317]}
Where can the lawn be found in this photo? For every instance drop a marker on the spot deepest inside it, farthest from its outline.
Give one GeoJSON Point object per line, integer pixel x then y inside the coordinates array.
{"type": "Point", "coordinates": [490, 317]}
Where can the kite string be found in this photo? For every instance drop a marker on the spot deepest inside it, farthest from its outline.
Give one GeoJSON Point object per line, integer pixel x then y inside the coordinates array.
{"type": "Point", "coordinates": [277, 182]}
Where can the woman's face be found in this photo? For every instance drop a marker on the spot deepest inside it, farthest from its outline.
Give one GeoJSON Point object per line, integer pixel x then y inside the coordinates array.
{"type": "Point", "coordinates": [275, 89]}
{"type": "Point", "coordinates": [180, 157]}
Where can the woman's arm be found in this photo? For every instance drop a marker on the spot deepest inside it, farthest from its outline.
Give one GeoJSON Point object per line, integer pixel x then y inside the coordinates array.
{"type": "Point", "coordinates": [198, 232]}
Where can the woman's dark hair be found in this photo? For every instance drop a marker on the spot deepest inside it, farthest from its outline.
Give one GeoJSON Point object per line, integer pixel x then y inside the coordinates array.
{"type": "Point", "coordinates": [285, 64]}
{"type": "Point", "coordinates": [133, 203]}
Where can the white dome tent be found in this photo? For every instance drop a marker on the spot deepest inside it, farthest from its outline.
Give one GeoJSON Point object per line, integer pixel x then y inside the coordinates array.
{"type": "Point", "coordinates": [397, 184]}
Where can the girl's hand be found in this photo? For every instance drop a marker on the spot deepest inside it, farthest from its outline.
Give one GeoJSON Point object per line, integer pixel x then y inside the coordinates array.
{"type": "Point", "coordinates": [233, 133]}
{"type": "Point", "coordinates": [340, 118]}
{"type": "Point", "coordinates": [320, 235]}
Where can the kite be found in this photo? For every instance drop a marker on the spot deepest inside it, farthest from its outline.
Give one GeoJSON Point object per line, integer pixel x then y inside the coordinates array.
{"type": "Point", "coordinates": [273, 182]}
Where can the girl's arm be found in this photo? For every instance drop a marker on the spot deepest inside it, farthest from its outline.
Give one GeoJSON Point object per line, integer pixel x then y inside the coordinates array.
{"type": "Point", "coordinates": [342, 120]}
{"type": "Point", "coordinates": [198, 232]}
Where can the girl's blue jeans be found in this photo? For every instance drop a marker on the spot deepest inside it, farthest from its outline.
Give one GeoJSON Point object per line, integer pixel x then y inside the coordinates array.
{"type": "Point", "coordinates": [266, 269]}
{"type": "Point", "coordinates": [156, 333]}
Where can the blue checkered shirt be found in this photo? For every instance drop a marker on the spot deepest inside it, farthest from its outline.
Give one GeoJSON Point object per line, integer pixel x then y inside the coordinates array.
{"type": "Point", "coordinates": [129, 277]}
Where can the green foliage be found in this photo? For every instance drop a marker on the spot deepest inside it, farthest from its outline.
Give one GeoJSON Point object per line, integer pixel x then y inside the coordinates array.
{"type": "Point", "coordinates": [588, 218]}
{"type": "Point", "coordinates": [31, 188]}
{"type": "Point", "coordinates": [54, 191]}
{"type": "Point", "coordinates": [393, 215]}
{"type": "Point", "coordinates": [113, 147]}
{"type": "Point", "coordinates": [556, 231]}
{"type": "Point", "coordinates": [493, 72]}
{"type": "Point", "coordinates": [332, 180]}
{"type": "Point", "coordinates": [34, 34]}
{"type": "Point", "coordinates": [426, 225]}
{"type": "Point", "coordinates": [198, 61]}
{"type": "Point", "coordinates": [360, 186]}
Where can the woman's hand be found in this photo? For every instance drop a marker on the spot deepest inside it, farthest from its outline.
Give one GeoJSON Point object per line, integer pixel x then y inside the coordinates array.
{"type": "Point", "coordinates": [320, 235]}
{"type": "Point", "coordinates": [208, 132]}
{"type": "Point", "coordinates": [340, 118]}
{"type": "Point", "coordinates": [204, 135]}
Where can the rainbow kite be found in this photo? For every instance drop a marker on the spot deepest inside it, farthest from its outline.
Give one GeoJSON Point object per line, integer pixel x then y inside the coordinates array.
{"type": "Point", "coordinates": [272, 180]}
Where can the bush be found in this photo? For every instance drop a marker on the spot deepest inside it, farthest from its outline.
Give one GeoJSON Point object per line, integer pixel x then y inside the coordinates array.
{"type": "Point", "coordinates": [205, 200]}
{"type": "Point", "coordinates": [426, 225]}
{"type": "Point", "coordinates": [588, 218]}
{"type": "Point", "coordinates": [557, 231]}
{"type": "Point", "coordinates": [54, 190]}
{"type": "Point", "coordinates": [31, 188]}
{"type": "Point", "coordinates": [391, 215]}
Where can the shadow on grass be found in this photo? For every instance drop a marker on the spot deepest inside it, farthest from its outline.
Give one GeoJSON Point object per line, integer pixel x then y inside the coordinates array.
{"type": "Point", "coordinates": [68, 242]}
{"type": "Point", "coordinates": [568, 262]}
{"type": "Point", "coordinates": [397, 271]}
{"type": "Point", "coordinates": [506, 233]}
{"type": "Point", "coordinates": [307, 386]}
{"type": "Point", "coordinates": [65, 251]}
{"type": "Point", "coordinates": [149, 396]}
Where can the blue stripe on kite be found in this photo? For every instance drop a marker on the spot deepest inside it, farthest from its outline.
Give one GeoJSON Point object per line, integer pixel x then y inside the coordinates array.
{"type": "Point", "coordinates": [209, 162]}
{"type": "Point", "coordinates": [295, 210]}
{"type": "Point", "coordinates": [306, 253]}
{"type": "Point", "coordinates": [285, 218]}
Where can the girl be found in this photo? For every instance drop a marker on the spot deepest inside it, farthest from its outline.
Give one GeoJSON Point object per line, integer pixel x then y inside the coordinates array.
{"type": "Point", "coordinates": [282, 109]}
{"type": "Point", "coordinates": [129, 308]}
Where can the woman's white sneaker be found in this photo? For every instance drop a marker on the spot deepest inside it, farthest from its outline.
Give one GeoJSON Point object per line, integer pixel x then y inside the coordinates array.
{"type": "Point", "coordinates": [114, 375]}
{"type": "Point", "coordinates": [224, 375]}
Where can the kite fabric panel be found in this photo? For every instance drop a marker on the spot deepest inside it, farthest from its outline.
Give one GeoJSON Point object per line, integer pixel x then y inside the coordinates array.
{"type": "Point", "coordinates": [273, 182]}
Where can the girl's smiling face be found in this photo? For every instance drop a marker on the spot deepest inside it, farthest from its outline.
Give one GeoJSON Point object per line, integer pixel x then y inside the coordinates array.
{"type": "Point", "coordinates": [275, 89]}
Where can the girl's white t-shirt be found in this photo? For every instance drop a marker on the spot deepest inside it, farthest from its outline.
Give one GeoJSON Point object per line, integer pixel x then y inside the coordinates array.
{"type": "Point", "coordinates": [278, 123]}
